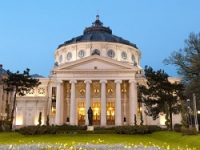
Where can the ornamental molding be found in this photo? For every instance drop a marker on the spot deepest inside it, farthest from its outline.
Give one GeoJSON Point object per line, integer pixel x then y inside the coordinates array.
{"type": "Point", "coordinates": [93, 58]}
{"type": "Point", "coordinates": [102, 61]}
{"type": "Point", "coordinates": [98, 73]}
{"type": "Point", "coordinates": [88, 46]}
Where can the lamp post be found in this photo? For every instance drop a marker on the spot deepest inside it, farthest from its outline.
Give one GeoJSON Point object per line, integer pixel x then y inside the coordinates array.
{"type": "Point", "coordinates": [188, 112]}
{"type": "Point", "coordinates": [195, 113]}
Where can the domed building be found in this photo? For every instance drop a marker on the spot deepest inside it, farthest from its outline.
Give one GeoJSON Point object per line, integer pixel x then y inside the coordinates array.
{"type": "Point", "coordinates": [98, 70]}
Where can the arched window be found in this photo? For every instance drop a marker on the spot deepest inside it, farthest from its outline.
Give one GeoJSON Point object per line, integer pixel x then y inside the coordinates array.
{"type": "Point", "coordinates": [96, 52]}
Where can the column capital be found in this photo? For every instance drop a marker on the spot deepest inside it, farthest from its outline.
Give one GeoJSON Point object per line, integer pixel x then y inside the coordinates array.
{"type": "Point", "coordinates": [132, 80]}
{"type": "Point", "coordinates": [118, 81]}
{"type": "Point", "coordinates": [59, 81]}
{"type": "Point", "coordinates": [88, 81]}
{"type": "Point", "coordinates": [103, 81]}
{"type": "Point", "coordinates": [72, 81]}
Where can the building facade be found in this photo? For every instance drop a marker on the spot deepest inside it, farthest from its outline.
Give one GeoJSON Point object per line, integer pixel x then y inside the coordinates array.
{"type": "Point", "coordinates": [97, 70]}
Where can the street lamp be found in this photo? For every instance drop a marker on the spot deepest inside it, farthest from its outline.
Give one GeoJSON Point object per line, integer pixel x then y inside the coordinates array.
{"type": "Point", "coordinates": [188, 112]}
{"type": "Point", "coordinates": [195, 112]}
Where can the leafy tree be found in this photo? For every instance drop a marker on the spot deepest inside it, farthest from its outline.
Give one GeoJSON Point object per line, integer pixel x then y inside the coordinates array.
{"type": "Point", "coordinates": [19, 83]}
{"type": "Point", "coordinates": [141, 119]}
{"type": "Point", "coordinates": [187, 61]}
{"type": "Point", "coordinates": [167, 122]}
{"type": "Point", "coordinates": [183, 115]}
{"type": "Point", "coordinates": [158, 91]}
{"type": "Point", "coordinates": [7, 110]}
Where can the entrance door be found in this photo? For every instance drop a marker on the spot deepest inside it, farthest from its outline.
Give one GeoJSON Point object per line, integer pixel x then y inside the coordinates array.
{"type": "Point", "coordinates": [81, 113]}
{"type": "Point", "coordinates": [96, 107]}
{"type": "Point", "coordinates": [110, 115]}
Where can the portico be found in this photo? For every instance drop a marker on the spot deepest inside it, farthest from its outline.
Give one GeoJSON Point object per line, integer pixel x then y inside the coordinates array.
{"type": "Point", "coordinates": [110, 105]}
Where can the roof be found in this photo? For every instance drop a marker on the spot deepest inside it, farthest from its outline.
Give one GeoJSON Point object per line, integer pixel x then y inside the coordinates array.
{"type": "Point", "coordinates": [97, 32]}
{"type": "Point", "coordinates": [37, 76]}
{"type": "Point", "coordinates": [3, 71]}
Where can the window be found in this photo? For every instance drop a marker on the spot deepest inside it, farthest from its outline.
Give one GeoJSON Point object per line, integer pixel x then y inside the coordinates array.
{"type": "Point", "coordinates": [69, 56]}
{"type": "Point", "coordinates": [96, 52]}
{"type": "Point", "coordinates": [133, 58]}
{"type": "Point", "coordinates": [81, 53]}
{"type": "Point", "coordinates": [111, 53]}
{"type": "Point", "coordinates": [60, 58]}
{"type": "Point", "coordinates": [124, 55]}
{"type": "Point", "coordinates": [53, 101]}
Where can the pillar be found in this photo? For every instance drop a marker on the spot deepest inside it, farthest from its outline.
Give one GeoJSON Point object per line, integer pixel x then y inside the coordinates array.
{"type": "Point", "coordinates": [72, 118]}
{"type": "Point", "coordinates": [103, 102]}
{"type": "Point", "coordinates": [118, 110]}
{"type": "Point", "coordinates": [133, 102]}
{"type": "Point", "coordinates": [59, 99]}
{"type": "Point", "coordinates": [87, 98]}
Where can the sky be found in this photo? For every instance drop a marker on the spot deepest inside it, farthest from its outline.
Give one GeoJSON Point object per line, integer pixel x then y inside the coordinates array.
{"type": "Point", "coordinates": [30, 31]}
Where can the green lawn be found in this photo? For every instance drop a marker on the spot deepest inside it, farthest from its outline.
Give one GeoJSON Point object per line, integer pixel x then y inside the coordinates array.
{"type": "Point", "coordinates": [158, 138]}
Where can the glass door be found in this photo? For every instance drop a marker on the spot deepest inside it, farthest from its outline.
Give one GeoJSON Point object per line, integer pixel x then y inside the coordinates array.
{"type": "Point", "coordinates": [81, 113]}
{"type": "Point", "coordinates": [110, 113]}
{"type": "Point", "coordinates": [96, 107]}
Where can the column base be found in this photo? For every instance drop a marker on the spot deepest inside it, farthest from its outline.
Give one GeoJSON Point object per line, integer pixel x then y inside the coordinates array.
{"type": "Point", "coordinates": [90, 128]}
{"type": "Point", "coordinates": [124, 123]}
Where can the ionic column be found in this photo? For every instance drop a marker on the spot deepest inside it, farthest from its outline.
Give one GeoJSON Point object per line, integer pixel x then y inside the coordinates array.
{"type": "Point", "coordinates": [118, 110]}
{"type": "Point", "coordinates": [133, 102]}
{"type": "Point", "coordinates": [103, 102]}
{"type": "Point", "coordinates": [58, 103]}
{"type": "Point", "coordinates": [87, 97]}
{"type": "Point", "coordinates": [72, 118]}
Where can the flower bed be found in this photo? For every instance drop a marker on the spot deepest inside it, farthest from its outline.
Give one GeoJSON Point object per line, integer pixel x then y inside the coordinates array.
{"type": "Point", "coordinates": [80, 146]}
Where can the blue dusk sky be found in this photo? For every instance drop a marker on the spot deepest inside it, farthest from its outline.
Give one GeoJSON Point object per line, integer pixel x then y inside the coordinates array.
{"type": "Point", "coordinates": [31, 30]}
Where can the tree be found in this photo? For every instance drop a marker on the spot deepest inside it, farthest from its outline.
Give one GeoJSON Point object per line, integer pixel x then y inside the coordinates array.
{"type": "Point", "coordinates": [159, 91]}
{"type": "Point", "coordinates": [167, 120]}
{"type": "Point", "coordinates": [40, 119]}
{"type": "Point", "coordinates": [20, 83]}
{"type": "Point", "coordinates": [135, 120]}
{"type": "Point", "coordinates": [47, 121]}
{"type": "Point", "coordinates": [187, 61]}
{"type": "Point", "coordinates": [141, 119]}
{"type": "Point", "coordinates": [183, 115]}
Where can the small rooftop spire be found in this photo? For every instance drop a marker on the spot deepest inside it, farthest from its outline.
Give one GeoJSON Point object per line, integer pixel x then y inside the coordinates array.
{"type": "Point", "coordinates": [97, 17]}
{"type": "Point", "coordinates": [97, 22]}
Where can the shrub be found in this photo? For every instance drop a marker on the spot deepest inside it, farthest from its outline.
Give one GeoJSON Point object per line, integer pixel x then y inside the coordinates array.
{"type": "Point", "coordinates": [120, 130]}
{"type": "Point", "coordinates": [29, 130]}
{"type": "Point", "coordinates": [154, 128]}
{"type": "Point", "coordinates": [145, 129]}
{"type": "Point", "coordinates": [188, 131]}
{"type": "Point", "coordinates": [40, 118]}
{"type": "Point", "coordinates": [177, 127]}
{"type": "Point", "coordinates": [47, 121]}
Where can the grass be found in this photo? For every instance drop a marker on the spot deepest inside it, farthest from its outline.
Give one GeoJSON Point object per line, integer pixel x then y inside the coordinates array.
{"type": "Point", "coordinates": [161, 138]}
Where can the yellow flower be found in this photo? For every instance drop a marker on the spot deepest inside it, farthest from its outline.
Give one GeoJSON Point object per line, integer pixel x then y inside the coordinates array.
{"type": "Point", "coordinates": [10, 147]}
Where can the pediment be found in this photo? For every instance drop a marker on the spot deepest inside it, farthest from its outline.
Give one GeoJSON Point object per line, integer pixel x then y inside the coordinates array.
{"type": "Point", "coordinates": [95, 62]}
